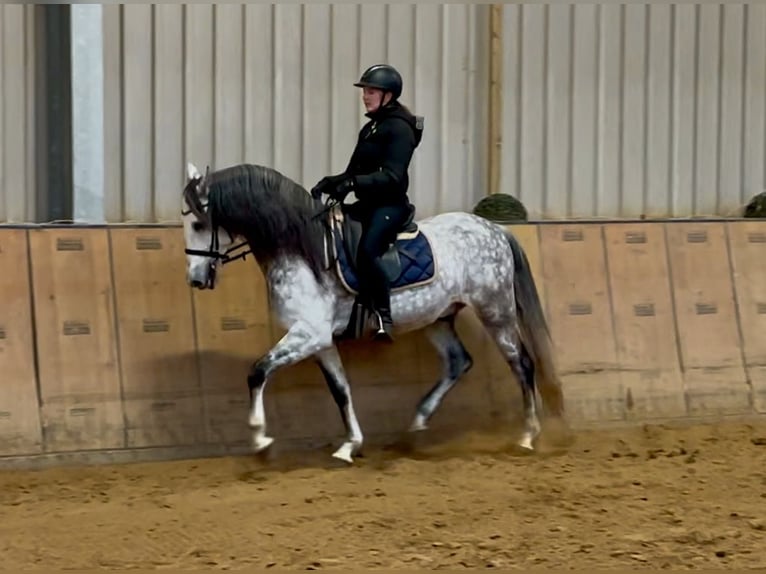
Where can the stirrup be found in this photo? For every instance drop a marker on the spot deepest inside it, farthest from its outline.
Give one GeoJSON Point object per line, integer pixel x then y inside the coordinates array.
{"type": "Point", "coordinates": [380, 331]}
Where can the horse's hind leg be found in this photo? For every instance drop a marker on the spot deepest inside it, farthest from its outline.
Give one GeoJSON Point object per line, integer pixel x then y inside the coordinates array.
{"type": "Point", "coordinates": [332, 369]}
{"type": "Point", "coordinates": [514, 351]}
{"type": "Point", "coordinates": [456, 362]}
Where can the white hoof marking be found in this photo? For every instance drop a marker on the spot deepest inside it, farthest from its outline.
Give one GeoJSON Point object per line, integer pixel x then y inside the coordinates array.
{"type": "Point", "coordinates": [261, 443]}
{"type": "Point", "coordinates": [418, 424]}
{"type": "Point", "coordinates": [526, 443]}
{"type": "Point", "coordinates": [418, 427]}
{"type": "Point", "coordinates": [345, 452]}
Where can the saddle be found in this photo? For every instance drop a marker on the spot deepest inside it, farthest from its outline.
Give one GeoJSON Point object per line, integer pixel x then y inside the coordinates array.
{"type": "Point", "coordinates": [408, 262]}
{"type": "Point", "coordinates": [348, 229]}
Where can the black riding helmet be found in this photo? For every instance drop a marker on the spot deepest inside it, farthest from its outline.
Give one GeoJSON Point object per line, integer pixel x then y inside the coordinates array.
{"type": "Point", "coordinates": [383, 77]}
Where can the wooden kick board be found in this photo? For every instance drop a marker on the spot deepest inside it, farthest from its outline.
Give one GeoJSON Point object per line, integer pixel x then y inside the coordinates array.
{"type": "Point", "coordinates": [711, 358]}
{"type": "Point", "coordinates": [233, 331]}
{"type": "Point", "coordinates": [160, 379]}
{"type": "Point", "coordinates": [747, 245]}
{"type": "Point", "coordinates": [76, 340]}
{"type": "Point", "coordinates": [644, 321]}
{"type": "Point", "coordinates": [20, 431]}
{"type": "Point", "coordinates": [579, 315]}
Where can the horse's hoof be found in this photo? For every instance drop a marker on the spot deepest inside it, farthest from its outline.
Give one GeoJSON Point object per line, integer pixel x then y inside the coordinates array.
{"type": "Point", "coordinates": [261, 443]}
{"type": "Point", "coordinates": [419, 424]}
{"type": "Point", "coordinates": [527, 443]}
{"type": "Point", "coordinates": [345, 452]}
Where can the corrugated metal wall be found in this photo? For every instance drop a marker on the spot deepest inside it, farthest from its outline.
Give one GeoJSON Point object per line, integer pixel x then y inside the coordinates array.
{"type": "Point", "coordinates": [17, 127]}
{"type": "Point", "coordinates": [607, 110]}
{"type": "Point", "coordinates": [272, 84]}
{"type": "Point", "coordinates": [630, 110]}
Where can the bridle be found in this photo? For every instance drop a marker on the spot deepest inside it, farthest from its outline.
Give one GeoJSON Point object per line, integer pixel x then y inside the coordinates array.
{"type": "Point", "coordinates": [197, 208]}
{"type": "Point", "coordinates": [213, 251]}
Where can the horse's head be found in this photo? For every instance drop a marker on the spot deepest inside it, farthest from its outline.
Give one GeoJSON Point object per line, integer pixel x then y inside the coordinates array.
{"type": "Point", "coordinates": [206, 244]}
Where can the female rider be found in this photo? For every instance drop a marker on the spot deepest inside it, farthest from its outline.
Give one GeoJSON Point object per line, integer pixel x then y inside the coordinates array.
{"type": "Point", "coordinates": [377, 174]}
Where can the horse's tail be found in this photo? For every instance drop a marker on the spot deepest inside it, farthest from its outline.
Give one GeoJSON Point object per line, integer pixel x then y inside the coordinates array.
{"type": "Point", "coordinates": [534, 331]}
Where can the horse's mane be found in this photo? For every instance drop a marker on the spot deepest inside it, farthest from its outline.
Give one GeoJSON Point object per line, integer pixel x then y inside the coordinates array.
{"type": "Point", "coordinates": [274, 213]}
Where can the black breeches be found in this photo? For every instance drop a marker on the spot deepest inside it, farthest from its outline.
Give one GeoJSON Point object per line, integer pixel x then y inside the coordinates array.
{"type": "Point", "coordinates": [380, 229]}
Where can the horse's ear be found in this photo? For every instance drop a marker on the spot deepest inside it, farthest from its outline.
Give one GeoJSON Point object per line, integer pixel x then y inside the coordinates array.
{"type": "Point", "coordinates": [203, 184]}
{"type": "Point", "coordinates": [192, 172]}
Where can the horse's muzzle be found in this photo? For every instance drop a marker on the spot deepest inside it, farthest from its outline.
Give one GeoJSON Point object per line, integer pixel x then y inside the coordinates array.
{"type": "Point", "coordinates": [203, 278]}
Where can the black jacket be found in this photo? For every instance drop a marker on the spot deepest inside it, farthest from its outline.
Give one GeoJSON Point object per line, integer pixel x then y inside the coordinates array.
{"type": "Point", "coordinates": [382, 156]}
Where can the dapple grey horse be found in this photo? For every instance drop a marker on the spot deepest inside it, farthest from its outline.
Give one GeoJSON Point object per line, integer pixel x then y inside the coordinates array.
{"type": "Point", "coordinates": [477, 264]}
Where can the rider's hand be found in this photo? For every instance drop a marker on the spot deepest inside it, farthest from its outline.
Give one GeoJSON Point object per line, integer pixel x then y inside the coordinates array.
{"type": "Point", "coordinates": [326, 185]}
{"type": "Point", "coordinates": [319, 188]}
{"type": "Point", "coordinates": [343, 188]}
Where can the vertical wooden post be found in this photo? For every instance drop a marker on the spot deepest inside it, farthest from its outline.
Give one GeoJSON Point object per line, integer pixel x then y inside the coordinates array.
{"type": "Point", "coordinates": [495, 95]}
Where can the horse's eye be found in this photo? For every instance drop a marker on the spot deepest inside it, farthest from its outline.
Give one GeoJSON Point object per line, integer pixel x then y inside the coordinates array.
{"type": "Point", "coordinates": [198, 226]}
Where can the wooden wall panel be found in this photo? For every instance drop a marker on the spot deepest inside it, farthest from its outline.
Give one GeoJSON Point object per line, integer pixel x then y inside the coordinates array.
{"type": "Point", "coordinates": [158, 357]}
{"type": "Point", "coordinates": [19, 408]}
{"type": "Point", "coordinates": [76, 340]}
{"type": "Point", "coordinates": [644, 323]}
{"type": "Point", "coordinates": [580, 317]}
{"type": "Point", "coordinates": [709, 339]}
{"type": "Point", "coordinates": [747, 245]}
{"type": "Point", "coordinates": [233, 331]}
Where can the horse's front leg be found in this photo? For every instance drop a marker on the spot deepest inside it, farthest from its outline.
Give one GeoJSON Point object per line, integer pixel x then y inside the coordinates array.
{"type": "Point", "coordinates": [300, 342]}
{"type": "Point", "coordinates": [332, 368]}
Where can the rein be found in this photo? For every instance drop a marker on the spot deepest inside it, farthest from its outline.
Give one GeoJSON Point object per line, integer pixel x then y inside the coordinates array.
{"type": "Point", "coordinates": [330, 204]}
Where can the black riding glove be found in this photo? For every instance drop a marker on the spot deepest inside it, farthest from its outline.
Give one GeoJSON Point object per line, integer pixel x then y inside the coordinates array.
{"type": "Point", "coordinates": [326, 185]}
{"type": "Point", "coordinates": [342, 189]}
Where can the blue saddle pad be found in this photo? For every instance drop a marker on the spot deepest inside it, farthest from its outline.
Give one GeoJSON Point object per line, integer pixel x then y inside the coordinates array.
{"type": "Point", "coordinates": [416, 261]}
